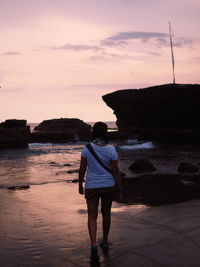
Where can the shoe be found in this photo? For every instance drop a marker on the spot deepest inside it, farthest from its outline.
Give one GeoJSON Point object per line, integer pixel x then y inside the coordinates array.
{"type": "Point", "coordinates": [94, 254]}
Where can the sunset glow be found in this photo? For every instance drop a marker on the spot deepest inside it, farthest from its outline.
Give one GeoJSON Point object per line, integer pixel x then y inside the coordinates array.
{"type": "Point", "coordinates": [59, 57]}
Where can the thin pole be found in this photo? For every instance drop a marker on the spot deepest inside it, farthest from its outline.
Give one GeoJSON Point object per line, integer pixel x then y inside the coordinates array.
{"type": "Point", "coordinates": [172, 52]}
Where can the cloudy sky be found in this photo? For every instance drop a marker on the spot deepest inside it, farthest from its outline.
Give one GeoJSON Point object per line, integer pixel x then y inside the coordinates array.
{"type": "Point", "coordinates": [58, 57]}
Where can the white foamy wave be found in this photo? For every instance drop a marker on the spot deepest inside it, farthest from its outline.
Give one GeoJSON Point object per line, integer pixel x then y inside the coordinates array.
{"type": "Point", "coordinates": [56, 144]}
{"type": "Point", "coordinates": [40, 144]}
{"type": "Point", "coordinates": [146, 145]}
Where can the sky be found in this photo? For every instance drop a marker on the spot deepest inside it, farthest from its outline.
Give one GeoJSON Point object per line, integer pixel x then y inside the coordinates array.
{"type": "Point", "coordinates": [59, 57]}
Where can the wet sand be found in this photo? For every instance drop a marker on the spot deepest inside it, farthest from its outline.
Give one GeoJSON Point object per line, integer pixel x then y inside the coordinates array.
{"type": "Point", "coordinates": [46, 225]}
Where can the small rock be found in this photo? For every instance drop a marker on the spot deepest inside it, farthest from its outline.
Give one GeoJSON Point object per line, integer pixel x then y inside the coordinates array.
{"type": "Point", "coordinates": [75, 181]}
{"type": "Point", "coordinates": [11, 187]}
{"type": "Point", "coordinates": [187, 167]}
{"type": "Point", "coordinates": [52, 162]}
{"type": "Point", "coordinates": [23, 187]}
{"type": "Point", "coordinates": [142, 165]}
{"type": "Point", "coordinates": [72, 171]}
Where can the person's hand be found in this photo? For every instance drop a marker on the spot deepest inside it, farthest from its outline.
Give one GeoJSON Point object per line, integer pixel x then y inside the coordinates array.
{"type": "Point", "coordinates": [81, 191]}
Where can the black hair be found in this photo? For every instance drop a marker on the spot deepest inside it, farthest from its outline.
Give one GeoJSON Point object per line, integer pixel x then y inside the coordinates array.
{"type": "Point", "coordinates": [99, 130]}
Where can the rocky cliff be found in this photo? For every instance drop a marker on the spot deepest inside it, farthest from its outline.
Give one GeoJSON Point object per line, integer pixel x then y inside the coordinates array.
{"type": "Point", "coordinates": [61, 130]}
{"type": "Point", "coordinates": [158, 111]}
{"type": "Point", "coordinates": [14, 133]}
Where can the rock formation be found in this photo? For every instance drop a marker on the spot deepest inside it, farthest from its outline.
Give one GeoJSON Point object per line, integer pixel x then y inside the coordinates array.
{"type": "Point", "coordinates": [14, 133]}
{"type": "Point", "coordinates": [159, 112]}
{"type": "Point", "coordinates": [61, 130]}
{"type": "Point", "coordinates": [142, 165]}
{"type": "Point", "coordinates": [157, 189]}
{"type": "Point", "coordinates": [186, 167]}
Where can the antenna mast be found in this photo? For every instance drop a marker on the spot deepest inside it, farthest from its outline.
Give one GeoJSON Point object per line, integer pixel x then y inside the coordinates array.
{"type": "Point", "coordinates": [172, 52]}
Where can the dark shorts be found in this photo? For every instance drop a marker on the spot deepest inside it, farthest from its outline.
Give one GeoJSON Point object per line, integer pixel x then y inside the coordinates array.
{"type": "Point", "coordinates": [105, 192]}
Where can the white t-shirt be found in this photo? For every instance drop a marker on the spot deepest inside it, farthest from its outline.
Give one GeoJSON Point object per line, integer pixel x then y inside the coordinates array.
{"type": "Point", "coordinates": [97, 176]}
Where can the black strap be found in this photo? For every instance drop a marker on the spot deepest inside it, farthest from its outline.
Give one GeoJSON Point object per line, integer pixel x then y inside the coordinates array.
{"type": "Point", "coordinates": [89, 147]}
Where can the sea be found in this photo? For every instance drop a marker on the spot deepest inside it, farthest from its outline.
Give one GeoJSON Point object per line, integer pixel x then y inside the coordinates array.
{"type": "Point", "coordinates": [43, 163]}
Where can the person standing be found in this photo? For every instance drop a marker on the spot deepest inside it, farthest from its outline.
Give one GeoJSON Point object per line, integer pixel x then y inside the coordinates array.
{"type": "Point", "coordinates": [99, 161]}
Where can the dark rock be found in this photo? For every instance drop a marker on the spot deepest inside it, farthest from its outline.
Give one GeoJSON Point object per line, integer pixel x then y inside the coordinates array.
{"type": "Point", "coordinates": [22, 187]}
{"type": "Point", "coordinates": [142, 165]}
{"type": "Point", "coordinates": [164, 113]}
{"type": "Point", "coordinates": [75, 181]}
{"type": "Point", "coordinates": [72, 171]}
{"type": "Point", "coordinates": [187, 167]}
{"type": "Point", "coordinates": [12, 187]}
{"type": "Point", "coordinates": [13, 123]}
{"type": "Point", "coordinates": [156, 189]}
{"type": "Point", "coordinates": [14, 134]}
{"type": "Point", "coordinates": [61, 130]}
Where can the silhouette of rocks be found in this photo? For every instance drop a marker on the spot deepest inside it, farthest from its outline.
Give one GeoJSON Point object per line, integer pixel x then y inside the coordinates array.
{"type": "Point", "coordinates": [72, 171]}
{"type": "Point", "coordinates": [165, 113]}
{"type": "Point", "coordinates": [14, 133]}
{"type": "Point", "coordinates": [13, 123]}
{"type": "Point", "coordinates": [157, 189]}
{"type": "Point", "coordinates": [75, 181]}
{"type": "Point", "coordinates": [142, 165]}
{"type": "Point", "coordinates": [187, 167]}
{"type": "Point", "coordinates": [22, 187]}
{"type": "Point", "coordinates": [61, 130]}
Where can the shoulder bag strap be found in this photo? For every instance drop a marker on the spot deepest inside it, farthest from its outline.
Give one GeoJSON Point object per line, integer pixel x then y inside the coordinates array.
{"type": "Point", "coordinates": [89, 147]}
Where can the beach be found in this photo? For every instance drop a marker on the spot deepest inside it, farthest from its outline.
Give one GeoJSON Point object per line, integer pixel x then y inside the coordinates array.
{"type": "Point", "coordinates": [46, 224]}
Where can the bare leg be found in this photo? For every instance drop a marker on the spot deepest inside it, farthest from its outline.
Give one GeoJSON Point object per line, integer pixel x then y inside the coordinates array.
{"type": "Point", "coordinates": [92, 206]}
{"type": "Point", "coordinates": [106, 204]}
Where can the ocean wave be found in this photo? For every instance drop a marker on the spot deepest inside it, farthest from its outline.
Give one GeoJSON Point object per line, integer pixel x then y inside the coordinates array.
{"type": "Point", "coordinates": [56, 144]}
{"type": "Point", "coordinates": [45, 144]}
{"type": "Point", "coordinates": [146, 145]}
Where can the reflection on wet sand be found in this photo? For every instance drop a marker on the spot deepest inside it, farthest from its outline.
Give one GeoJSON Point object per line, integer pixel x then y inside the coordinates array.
{"type": "Point", "coordinates": [46, 225]}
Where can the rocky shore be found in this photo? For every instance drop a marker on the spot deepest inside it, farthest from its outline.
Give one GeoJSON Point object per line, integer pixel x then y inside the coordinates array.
{"type": "Point", "coordinates": [159, 189]}
{"type": "Point", "coordinates": [166, 113]}
{"type": "Point", "coordinates": [14, 134]}
{"type": "Point", "coordinates": [61, 130]}
{"type": "Point", "coordinates": [160, 175]}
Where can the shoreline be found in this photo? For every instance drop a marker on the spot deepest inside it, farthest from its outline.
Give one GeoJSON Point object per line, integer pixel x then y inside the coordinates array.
{"type": "Point", "coordinates": [47, 226]}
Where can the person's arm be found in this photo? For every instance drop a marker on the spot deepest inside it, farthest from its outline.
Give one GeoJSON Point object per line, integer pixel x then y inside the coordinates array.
{"type": "Point", "coordinates": [116, 175]}
{"type": "Point", "coordinates": [81, 174]}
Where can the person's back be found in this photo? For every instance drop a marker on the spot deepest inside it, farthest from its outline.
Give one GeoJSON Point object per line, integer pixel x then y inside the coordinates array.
{"type": "Point", "coordinates": [102, 179]}
{"type": "Point", "coordinates": [96, 175]}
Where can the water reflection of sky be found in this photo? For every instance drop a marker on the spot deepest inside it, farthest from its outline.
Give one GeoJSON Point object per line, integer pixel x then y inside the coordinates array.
{"type": "Point", "coordinates": [38, 164]}
{"type": "Point", "coordinates": [48, 222]}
